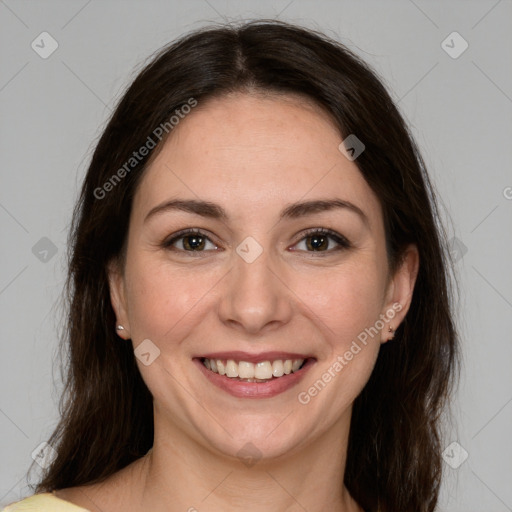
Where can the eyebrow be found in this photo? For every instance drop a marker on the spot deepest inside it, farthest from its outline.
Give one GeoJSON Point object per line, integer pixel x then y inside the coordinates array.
{"type": "Point", "coordinates": [292, 211]}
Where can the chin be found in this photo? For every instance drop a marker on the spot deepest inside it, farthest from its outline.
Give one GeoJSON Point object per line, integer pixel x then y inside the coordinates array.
{"type": "Point", "coordinates": [256, 437]}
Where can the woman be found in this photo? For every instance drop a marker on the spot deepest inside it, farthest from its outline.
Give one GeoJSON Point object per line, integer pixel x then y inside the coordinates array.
{"type": "Point", "coordinates": [260, 314]}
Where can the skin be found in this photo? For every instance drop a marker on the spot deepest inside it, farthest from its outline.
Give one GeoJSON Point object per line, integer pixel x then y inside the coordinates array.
{"type": "Point", "coordinates": [253, 155]}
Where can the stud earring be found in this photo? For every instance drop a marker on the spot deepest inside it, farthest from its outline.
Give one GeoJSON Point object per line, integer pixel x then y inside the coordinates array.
{"type": "Point", "coordinates": [120, 327]}
{"type": "Point", "coordinates": [392, 331]}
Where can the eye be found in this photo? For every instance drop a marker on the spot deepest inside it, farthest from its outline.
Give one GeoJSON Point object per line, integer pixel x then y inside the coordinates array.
{"type": "Point", "coordinates": [314, 240]}
{"type": "Point", "coordinates": [190, 240]}
{"type": "Point", "coordinates": [322, 240]}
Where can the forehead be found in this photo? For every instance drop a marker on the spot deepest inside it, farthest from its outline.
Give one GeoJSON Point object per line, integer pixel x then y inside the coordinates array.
{"type": "Point", "coordinates": [245, 151]}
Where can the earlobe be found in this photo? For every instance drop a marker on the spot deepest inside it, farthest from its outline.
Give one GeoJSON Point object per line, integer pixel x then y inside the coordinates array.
{"type": "Point", "coordinates": [117, 299]}
{"type": "Point", "coordinates": [400, 291]}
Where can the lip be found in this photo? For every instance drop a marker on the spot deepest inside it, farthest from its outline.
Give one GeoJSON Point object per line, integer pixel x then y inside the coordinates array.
{"type": "Point", "coordinates": [242, 389]}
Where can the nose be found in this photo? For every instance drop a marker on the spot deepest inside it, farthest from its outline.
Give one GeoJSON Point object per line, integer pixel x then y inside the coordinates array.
{"type": "Point", "coordinates": [256, 298]}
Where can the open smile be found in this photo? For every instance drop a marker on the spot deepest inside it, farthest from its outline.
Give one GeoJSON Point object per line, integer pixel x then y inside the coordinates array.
{"type": "Point", "coordinates": [254, 376]}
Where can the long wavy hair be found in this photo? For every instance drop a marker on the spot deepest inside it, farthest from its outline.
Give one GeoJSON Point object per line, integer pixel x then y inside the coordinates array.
{"type": "Point", "coordinates": [394, 451]}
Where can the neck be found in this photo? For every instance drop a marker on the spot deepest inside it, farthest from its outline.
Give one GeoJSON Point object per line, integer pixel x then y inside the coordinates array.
{"type": "Point", "coordinates": [185, 476]}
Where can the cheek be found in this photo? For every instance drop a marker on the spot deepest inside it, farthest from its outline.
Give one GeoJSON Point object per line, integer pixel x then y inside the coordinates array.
{"type": "Point", "coordinates": [347, 306]}
{"type": "Point", "coordinates": [163, 299]}
{"type": "Point", "coordinates": [345, 300]}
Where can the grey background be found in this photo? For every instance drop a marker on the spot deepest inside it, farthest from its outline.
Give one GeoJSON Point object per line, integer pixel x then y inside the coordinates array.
{"type": "Point", "coordinates": [52, 111]}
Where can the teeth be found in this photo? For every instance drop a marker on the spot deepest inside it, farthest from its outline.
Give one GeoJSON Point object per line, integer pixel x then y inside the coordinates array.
{"type": "Point", "coordinates": [231, 368]}
{"type": "Point", "coordinates": [245, 370]}
{"type": "Point", "coordinates": [296, 364]}
{"type": "Point", "coordinates": [277, 368]}
{"type": "Point", "coordinates": [253, 372]}
{"type": "Point", "coordinates": [263, 370]}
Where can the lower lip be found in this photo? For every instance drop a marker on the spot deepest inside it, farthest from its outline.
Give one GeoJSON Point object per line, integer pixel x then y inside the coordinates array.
{"type": "Point", "coordinates": [242, 389]}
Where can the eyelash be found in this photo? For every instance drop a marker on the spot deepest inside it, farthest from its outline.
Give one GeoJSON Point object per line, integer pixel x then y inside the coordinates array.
{"type": "Point", "coordinates": [342, 242]}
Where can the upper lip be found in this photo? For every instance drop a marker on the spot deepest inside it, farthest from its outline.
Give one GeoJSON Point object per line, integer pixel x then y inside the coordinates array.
{"type": "Point", "coordinates": [238, 355]}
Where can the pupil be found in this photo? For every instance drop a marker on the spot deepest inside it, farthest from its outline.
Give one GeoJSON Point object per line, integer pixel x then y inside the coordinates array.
{"type": "Point", "coordinates": [318, 242]}
{"type": "Point", "coordinates": [194, 242]}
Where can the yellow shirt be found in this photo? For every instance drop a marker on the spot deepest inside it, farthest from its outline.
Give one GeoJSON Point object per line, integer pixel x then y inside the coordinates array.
{"type": "Point", "coordinates": [43, 502]}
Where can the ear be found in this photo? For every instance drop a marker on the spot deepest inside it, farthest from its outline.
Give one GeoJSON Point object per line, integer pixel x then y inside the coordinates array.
{"type": "Point", "coordinates": [117, 298]}
{"type": "Point", "coordinates": [399, 291]}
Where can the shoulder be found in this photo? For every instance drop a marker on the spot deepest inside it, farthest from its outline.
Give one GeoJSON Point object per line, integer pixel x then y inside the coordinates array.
{"type": "Point", "coordinates": [116, 492]}
{"type": "Point", "coordinates": [43, 502]}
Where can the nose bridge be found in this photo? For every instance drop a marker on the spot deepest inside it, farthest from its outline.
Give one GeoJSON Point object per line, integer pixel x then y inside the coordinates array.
{"type": "Point", "coordinates": [254, 295]}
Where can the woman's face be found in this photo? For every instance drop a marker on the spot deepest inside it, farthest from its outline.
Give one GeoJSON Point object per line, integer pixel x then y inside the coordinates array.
{"type": "Point", "coordinates": [259, 284]}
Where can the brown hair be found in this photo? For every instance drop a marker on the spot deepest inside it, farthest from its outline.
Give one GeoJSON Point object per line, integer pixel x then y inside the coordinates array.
{"type": "Point", "coordinates": [394, 452]}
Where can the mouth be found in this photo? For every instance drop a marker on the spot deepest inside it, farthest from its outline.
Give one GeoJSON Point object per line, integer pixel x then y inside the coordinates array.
{"type": "Point", "coordinates": [254, 376]}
